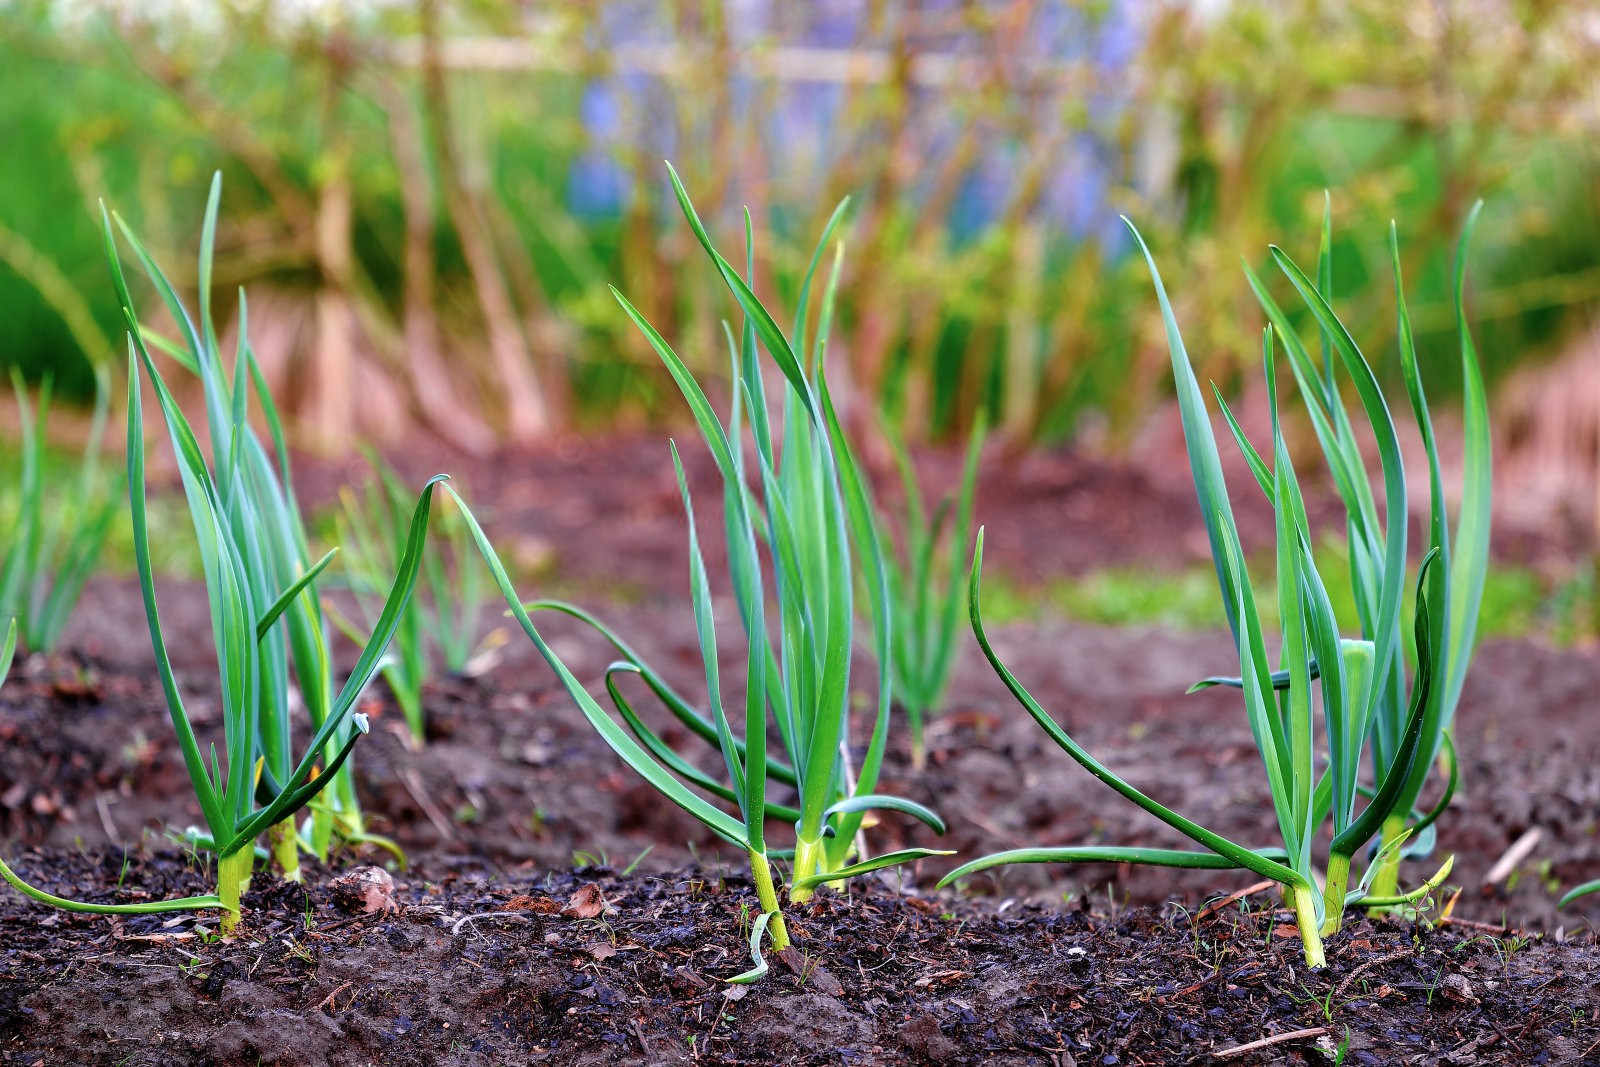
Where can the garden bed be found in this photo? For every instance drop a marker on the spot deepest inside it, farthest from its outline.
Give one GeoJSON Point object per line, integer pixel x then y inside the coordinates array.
{"type": "Point", "coordinates": [479, 966]}
{"type": "Point", "coordinates": [514, 796]}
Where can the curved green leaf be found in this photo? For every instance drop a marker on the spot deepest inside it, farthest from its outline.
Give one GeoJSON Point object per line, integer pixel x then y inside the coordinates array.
{"type": "Point", "coordinates": [859, 509]}
{"type": "Point", "coordinates": [1145, 857]}
{"type": "Point", "coordinates": [1240, 855]}
{"type": "Point", "coordinates": [1392, 573]}
{"type": "Point", "coordinates": [758, 930]}
{"type": "Point", "coordinates": [876, 863]}
{"type": "Point", "coordinates": [862, 802]}
{"type": "Point", "coordinates": [621, 742]}
{"type": "Point", "coordinates": [1279, 679]}
{"type": "Point", "coordinates": [204, 787]}
{"type": "Point", "coordinates": [149, 907]}
{"type": "Point", "coordinates": [296, 794]}
{"type": "Point", "coordinates": [271, 616]}
{"type": "Point", "coordinates": [669, 756]}
{"type": "Point", "coordinates": [771, 336]}
{"type": "Point", "coordinates": [681, 709]}
{"type": "Point", "coordinates": [1452, 768]}
{"type": "Point", "coordinates": [1579, 891]}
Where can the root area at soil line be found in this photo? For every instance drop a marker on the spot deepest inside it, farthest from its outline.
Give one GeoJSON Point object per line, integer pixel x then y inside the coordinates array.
{"type": "Point", "coordinates": [589, 966]}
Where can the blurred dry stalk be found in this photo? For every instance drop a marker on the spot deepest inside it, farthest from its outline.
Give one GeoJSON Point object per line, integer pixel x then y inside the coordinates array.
{"type": "Point", "coordinates": [1548, 438]}
{"type": "Point", "coordinates": [410, 168]}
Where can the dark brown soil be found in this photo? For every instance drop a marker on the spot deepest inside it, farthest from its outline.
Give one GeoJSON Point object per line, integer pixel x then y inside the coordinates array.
{"type": "Point", "coordinates": [514, 790]}
{"type": "Point", "coordinates": [480, 968]}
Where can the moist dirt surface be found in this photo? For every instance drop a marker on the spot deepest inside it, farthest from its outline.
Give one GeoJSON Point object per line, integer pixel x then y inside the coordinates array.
{"type": "Point", "coordinates": [514, 805]}
{"type": "Point", "coordinates": [588, 966]}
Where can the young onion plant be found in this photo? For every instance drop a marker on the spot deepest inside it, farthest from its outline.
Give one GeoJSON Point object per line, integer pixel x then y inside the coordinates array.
{"type": "Point", "coordinates": [1457, 583]}
{"type": "Point", "coordinates": [256, 493]}
{"type": "Point", "coordinates": [1352, 674]}
{"type": "Point", "coordinates": [798, 539]}
{"type": "Point", "coordinates": [237, 796]}
{"type": "Point", "coordinates": [372, 527]}
{"type": "Point", "coordinates": [56, 544]}
{"type": "Point", "coordinates": [926, 588]}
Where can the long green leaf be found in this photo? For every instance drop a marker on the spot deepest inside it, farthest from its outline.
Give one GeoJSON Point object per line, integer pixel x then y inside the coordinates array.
{"type": "Point", "coordinates": [294, 795]}
{"type": "Point", "coordinates": [858, 504]}
{"type": "Point", "coordinates": [1238, 854]}
{"type": "Point", "coordinates": [718, 821]}
{"type": "Point", "coordinates": [1378, 417]}
{"type": "Point", "coordinates": [1447, 752]}
{"type": "Point", "coordinates": [706, 630]}
{"type": "Point", "coordinates": [377, 645]}
{"type": "Point", "coordinates": [1393, 784]}
{"type": "Point", "coordinates": [204, 788]}
{"type": "Point", "coordinates": [1469, 563]}
{"type": "Point", "coordinates": [1201, 443]}
{"type": "Point", "coordinates": [1578, 891]}
{"type": "Point", "coordinates": [148, 907]}
{"type": "Point", "coordinates": [771, 336]}
{"type": "Point", "coordinates": [1292, 579]}
{"type": "Point", "coordinates": [681, 709]}
{"type": "Point", "coordinates": [803, 300]}
{"type": "Point", "coordinates": [876, 863]}
{"type": "Point", "coordinates": [300, 584]}
{"type": "Point", "coordinates": [8, 649]}
{"type": "Point", "coordinates": [668, 756]}
{"type": "Point", "coordinates": [862, 802]}
{"type": "Point", "coordinates": [1146, 857]}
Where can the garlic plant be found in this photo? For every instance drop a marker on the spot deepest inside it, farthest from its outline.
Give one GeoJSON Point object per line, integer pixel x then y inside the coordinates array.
{"type": "Point", "coordinates": [798, 543]}
{"type": "Point", "coordinates": [1360, 680]}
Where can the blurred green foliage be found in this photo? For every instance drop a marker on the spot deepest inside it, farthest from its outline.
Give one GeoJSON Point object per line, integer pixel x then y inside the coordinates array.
{"type": "Point", "coordinates": [171, 553]}
{"type": "Point", "coordinates": [984, 267]}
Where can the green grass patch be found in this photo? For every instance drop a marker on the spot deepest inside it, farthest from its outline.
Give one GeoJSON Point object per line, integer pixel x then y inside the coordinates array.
{"type": "Point", "coordinates": [171, 547]}
{"type": "Point", "coordinates": [1517, 601]}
